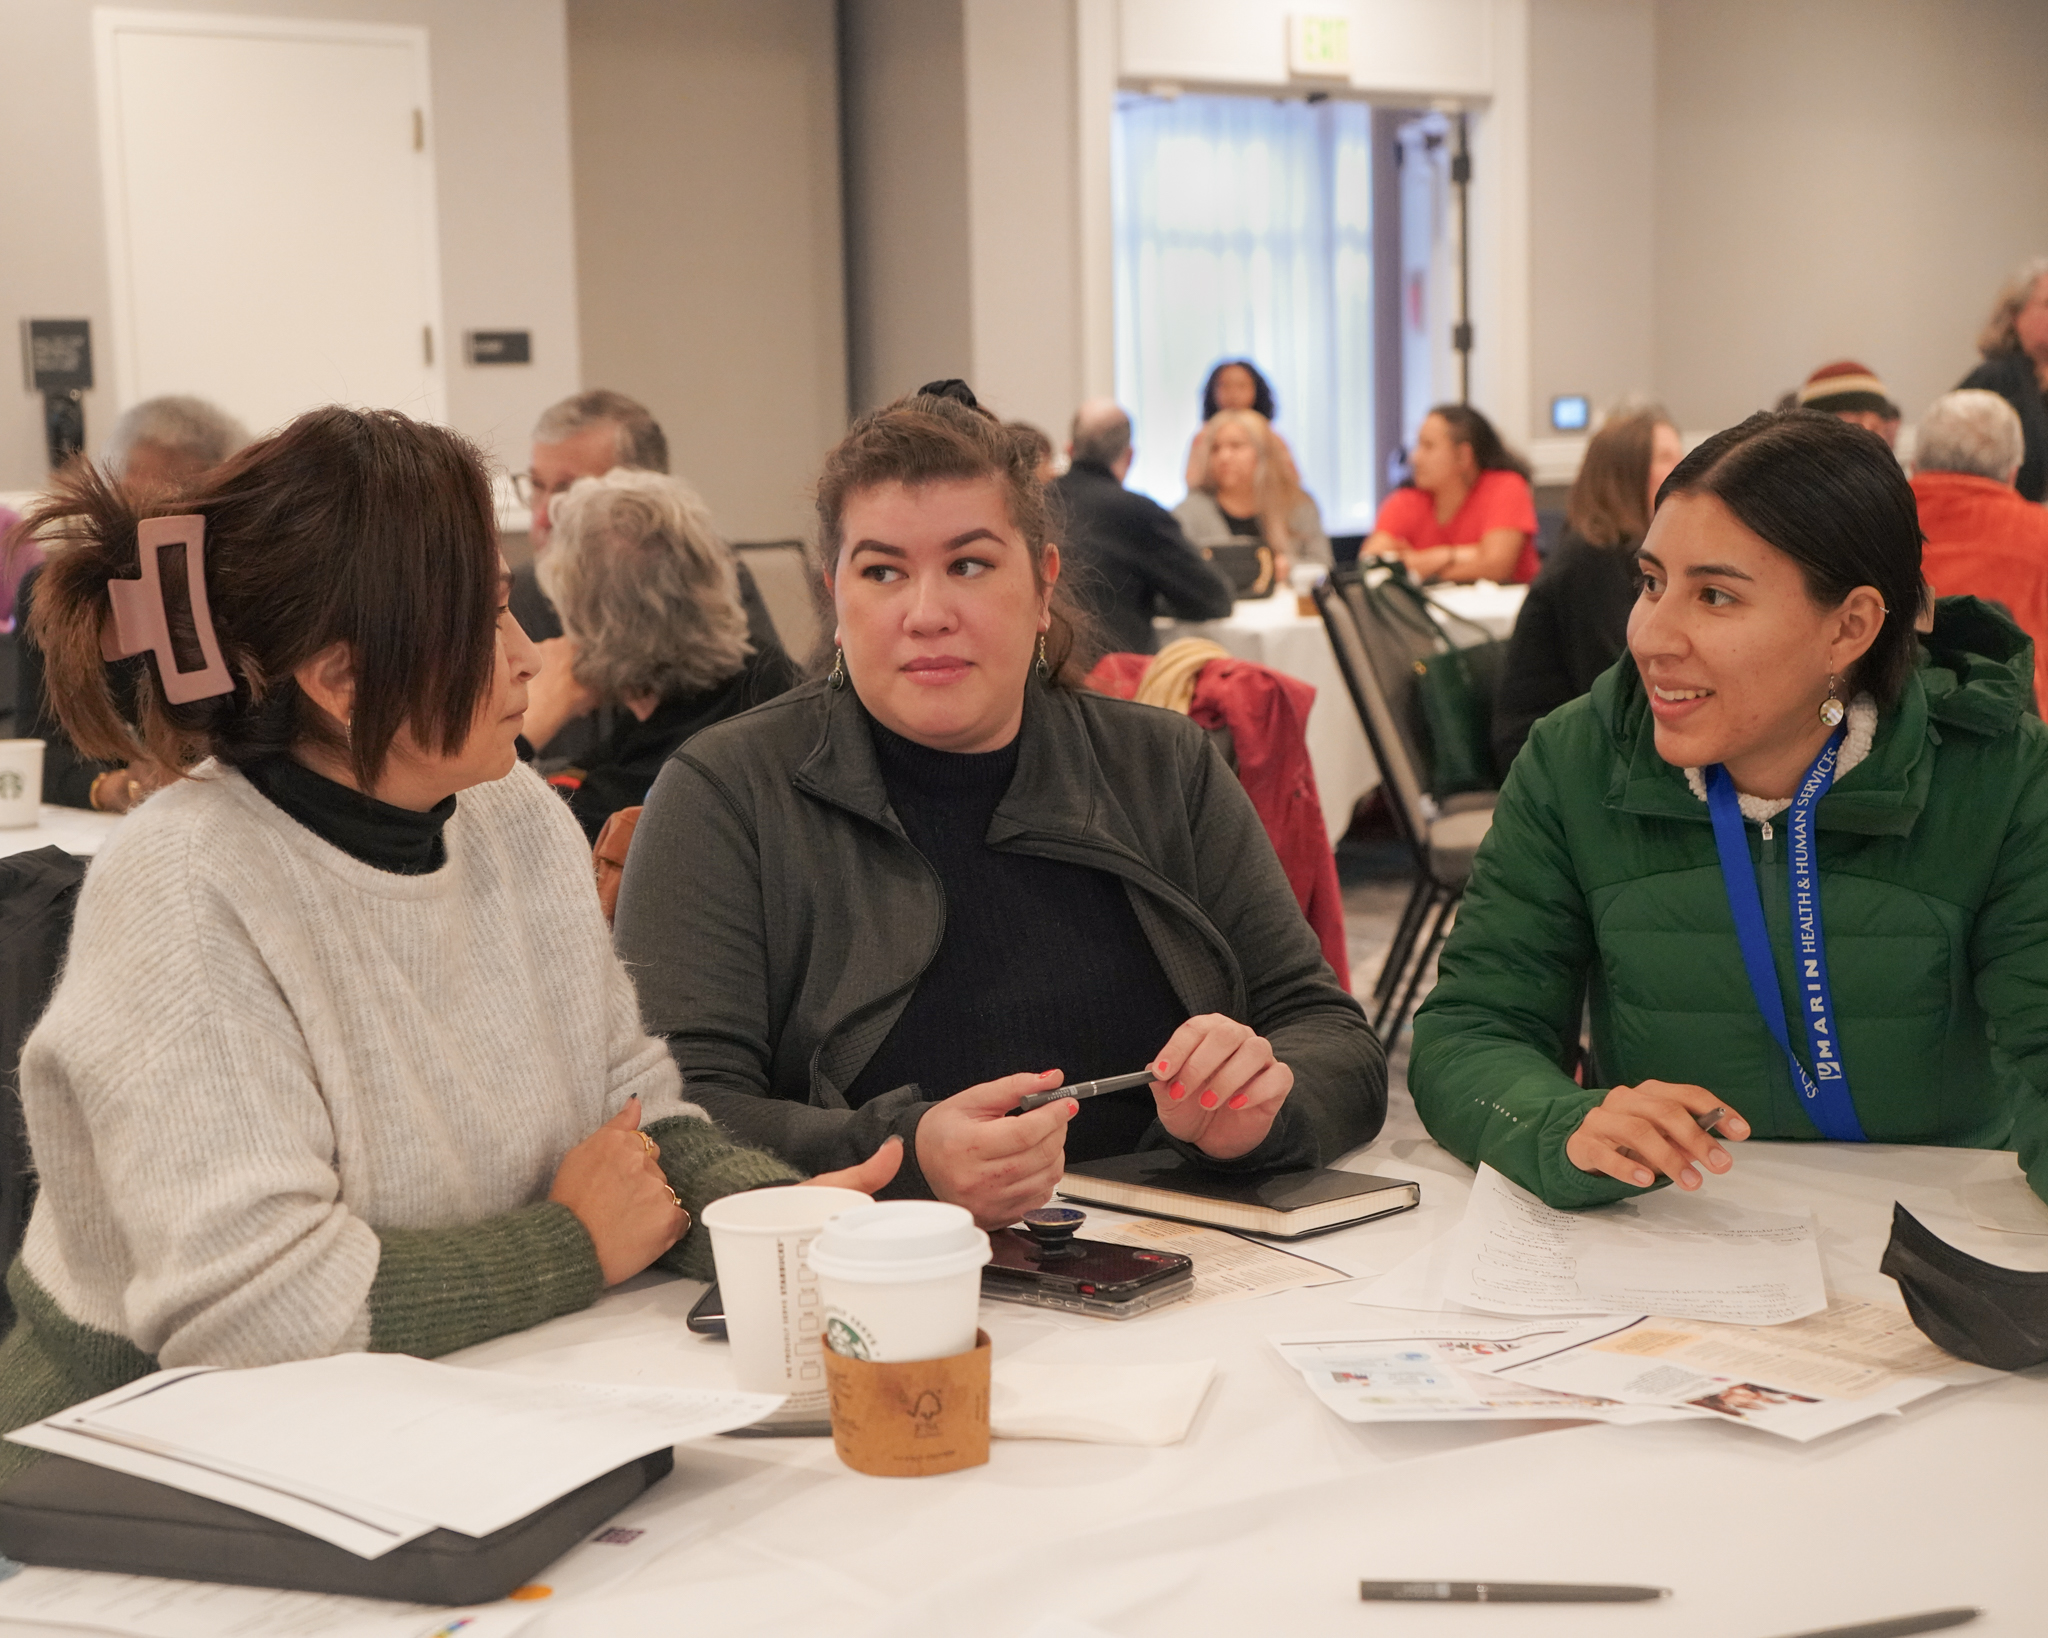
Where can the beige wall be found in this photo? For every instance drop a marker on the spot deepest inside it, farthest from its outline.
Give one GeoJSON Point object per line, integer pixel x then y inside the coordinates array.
{"type": "Point", "coordinates": [500, 95]}
{"type": "Point", "coordinates": [1839, 178]}
{"type": "Point", "coordinates": [909, 267]}
{"type": "Point", "coordinates": [706, 144]}
{"type": "Point", "coordinates": [1592, 156]}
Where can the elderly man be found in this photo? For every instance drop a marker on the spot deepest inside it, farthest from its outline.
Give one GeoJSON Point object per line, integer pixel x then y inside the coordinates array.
{"type": "Point", "coordinates": [586, 436]}
{"type": "Point", "coordinates": [1126, 555]}
{"type": "Point", "coordinates": [1982, 538]}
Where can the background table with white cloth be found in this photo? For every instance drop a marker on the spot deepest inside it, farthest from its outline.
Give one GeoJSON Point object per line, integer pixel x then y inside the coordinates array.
{"type": "Point", "coordinates": [75, 830]}
{"type": "Point", "coordinates": [1265, 1518]}
{"type": "Point", "coordinates": [1273, 631]}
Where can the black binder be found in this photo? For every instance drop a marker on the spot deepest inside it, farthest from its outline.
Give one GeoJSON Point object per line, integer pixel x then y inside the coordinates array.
{"type": "Point", "coordinates": [72, 1515]}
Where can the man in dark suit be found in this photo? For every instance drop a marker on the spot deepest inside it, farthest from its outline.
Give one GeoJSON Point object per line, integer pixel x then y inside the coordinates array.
{"type": "Point", "coordinates": [1125, 556]}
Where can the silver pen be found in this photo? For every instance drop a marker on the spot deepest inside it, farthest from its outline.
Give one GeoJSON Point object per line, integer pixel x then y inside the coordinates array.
{"type": "Point", "coordinates": [1086, 1089]}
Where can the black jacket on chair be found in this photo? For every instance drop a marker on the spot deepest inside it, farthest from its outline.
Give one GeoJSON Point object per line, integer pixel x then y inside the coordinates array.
{"type": "Point", "coordinates": [1129, 560]}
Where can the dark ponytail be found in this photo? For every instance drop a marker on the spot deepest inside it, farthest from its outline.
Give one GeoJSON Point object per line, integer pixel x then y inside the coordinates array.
{"type": "Point", "coordinates": [360, 527]}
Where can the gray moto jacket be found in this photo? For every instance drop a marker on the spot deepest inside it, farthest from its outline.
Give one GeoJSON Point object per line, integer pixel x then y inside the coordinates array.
{"type": "Point", "coordinates": [777, 919]}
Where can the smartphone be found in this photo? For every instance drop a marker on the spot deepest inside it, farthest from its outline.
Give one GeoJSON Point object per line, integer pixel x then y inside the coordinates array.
{"type": "Point", "coordinates": [1084, 1276]}
{"type": "Point", "coordinates": [707, 1314]}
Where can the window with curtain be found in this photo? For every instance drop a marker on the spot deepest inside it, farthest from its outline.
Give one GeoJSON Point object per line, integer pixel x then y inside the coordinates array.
{"type": "Point", "coordinates": [1243, 230]}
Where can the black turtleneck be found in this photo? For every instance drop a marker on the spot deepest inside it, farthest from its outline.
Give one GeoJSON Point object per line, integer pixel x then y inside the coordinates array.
{"type": "Point", "coordinates": [1042, 965]}
{"type": "Point", "coordinates": [388, 838]}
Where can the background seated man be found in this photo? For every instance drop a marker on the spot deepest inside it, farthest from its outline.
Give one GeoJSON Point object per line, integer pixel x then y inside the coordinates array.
{"type": "Point", "coordinates": [1982, 539]}
{"type": "Point", "coordinates": [1126, 555]}
{"type": "Point", "coordinates": [1852, 392]}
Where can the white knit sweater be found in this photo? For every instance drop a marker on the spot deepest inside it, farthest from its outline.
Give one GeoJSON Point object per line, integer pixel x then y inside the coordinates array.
{"type": "Point", "coordinates": [261, 1047]}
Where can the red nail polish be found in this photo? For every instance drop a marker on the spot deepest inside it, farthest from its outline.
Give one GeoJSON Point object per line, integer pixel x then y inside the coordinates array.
{"type": "Point", "coordinates": [1176, 1091]}
{"type": "Point", "coordinates": [1240, 1100]}
{"type": "Point", "coordinates": [1208, 1100]}
{"type": "Point", "coordinates": [1160, 1066]}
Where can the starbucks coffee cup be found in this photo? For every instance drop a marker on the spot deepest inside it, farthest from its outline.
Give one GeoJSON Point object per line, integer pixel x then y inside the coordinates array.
{"type": "Point", "coordinates": [900, 1280]}
{"type": "Point", "coordinates": [21, 783]}
{"type": "Point", "coordinates": [774, 1312]}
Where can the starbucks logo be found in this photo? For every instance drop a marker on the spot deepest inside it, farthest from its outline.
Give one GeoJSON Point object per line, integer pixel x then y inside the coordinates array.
{"type": "Point", "coordinates": [12, 785]}
{"type": "Point", "coordinates": [842, 1338]}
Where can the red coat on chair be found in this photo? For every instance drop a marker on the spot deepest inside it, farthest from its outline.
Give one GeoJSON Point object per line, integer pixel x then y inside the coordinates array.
{"type": "Point", "coordinates": [1266, 712]}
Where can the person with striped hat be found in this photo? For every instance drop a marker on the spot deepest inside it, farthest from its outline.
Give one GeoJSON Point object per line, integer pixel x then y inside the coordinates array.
{"type": "Point", "coordinates": [1852, 392]}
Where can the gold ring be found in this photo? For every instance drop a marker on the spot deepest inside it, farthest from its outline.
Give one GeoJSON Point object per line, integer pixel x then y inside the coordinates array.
{"type": "Point", "coordinates": [678, 1199]}
{"type": "Point", "coordinates": [651, 1146]}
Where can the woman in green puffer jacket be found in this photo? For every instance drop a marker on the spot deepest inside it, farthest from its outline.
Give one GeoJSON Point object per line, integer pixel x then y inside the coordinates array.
{"type": "Point", "coordinates": [1781, 582]}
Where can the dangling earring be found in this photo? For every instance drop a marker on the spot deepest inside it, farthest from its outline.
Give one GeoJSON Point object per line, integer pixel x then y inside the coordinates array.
{"type": "Point", "coordinates": [1832, 710]}
{"type": "Point", "coordinates": [1039, 664]}
{"type": "Point", "coordinates": [838, 677]}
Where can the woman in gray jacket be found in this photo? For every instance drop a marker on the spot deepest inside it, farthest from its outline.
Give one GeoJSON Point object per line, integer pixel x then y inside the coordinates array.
{"type": "Point", "coordinates": [900, 899]}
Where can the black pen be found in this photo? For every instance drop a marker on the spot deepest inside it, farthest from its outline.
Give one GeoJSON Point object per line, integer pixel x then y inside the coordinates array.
{"type": "Point", "coordinates": [1505, 1592]}
{"type": "Point", "coordinates": [1898, 1626]}
{"type": "Point", "coordinates": [1086, 1089]}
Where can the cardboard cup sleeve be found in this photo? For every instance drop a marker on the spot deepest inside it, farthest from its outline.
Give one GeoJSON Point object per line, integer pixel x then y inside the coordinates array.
{"type": "Point", "coordinates": [905, 1419]}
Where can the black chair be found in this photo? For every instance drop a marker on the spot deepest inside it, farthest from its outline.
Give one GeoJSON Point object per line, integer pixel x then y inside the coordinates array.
{"type": "Point", "coordinates": [38, 892]}
{"type": "Point", "coordinates": [1377, 657]}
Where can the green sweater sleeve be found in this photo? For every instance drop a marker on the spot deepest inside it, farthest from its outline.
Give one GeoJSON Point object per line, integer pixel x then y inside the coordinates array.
{"type": "Point", "coordinates": [2009, 962]}
{"type": "Point", "coordinates": [703, 1165]}
{"type": "Point", "coordinates": [1505, 1011]}
{"type": "Point", "coordinates": [437, 1290]}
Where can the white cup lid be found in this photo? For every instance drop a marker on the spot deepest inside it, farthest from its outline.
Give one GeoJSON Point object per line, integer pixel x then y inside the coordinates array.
{"type": "Point", "coordinates": [900, 1240]}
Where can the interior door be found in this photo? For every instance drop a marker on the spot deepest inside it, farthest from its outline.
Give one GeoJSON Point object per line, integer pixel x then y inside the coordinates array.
{"type": "Point", "coordinates": [270, 213]}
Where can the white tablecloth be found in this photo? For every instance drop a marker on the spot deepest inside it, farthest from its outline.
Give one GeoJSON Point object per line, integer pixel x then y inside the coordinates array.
{"type": "Point", "coordinates": [75, 830]}
{"type": "Point", "coordinates": [1272, 631]}
{"type": "Point", "coordinates": [1265, 1518]}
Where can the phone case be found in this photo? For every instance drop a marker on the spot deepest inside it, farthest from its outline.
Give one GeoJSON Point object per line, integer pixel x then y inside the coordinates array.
{"type": "Point", "coordinates": [1087, 1277]}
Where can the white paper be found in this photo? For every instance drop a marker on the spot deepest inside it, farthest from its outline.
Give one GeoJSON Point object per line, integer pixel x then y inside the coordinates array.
{"type": "Point", "coordinates": [1422, 1372]}
{"type": "Point", "coordinates": [149, 1607]}
{"type": "Point", "coordinates": [1226, 1266]}
{"type": "Point", "coordinates": [471, 1450]}
{"type": "Point", "coordinates": [2006, 1204]}
{"type": "Point", "coordinates": [1678, 1254]}
{"type": "Point", "coordinates": [1799, 1380]}
{"type": "Point", "coordinates": [1417, 1283]}
{"type": "Point", "coordinates": [1097, 1404]}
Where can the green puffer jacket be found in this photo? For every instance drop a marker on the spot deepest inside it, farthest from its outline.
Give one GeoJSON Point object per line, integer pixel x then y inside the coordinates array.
{"type": "Point", "coordinates": [1599, 881]}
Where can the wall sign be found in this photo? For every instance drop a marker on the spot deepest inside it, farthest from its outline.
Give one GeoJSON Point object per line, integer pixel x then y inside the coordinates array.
{"type": "Point", "coordinates": [498, 346]}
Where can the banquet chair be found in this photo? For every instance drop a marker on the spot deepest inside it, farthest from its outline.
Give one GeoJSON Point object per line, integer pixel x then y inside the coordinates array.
{"type": "Point", "coordinates": [1377, 660]}
{"type": "Point", "coordinates": [782, 571]}
{"type": "Point", "coordinates": [38, 892]}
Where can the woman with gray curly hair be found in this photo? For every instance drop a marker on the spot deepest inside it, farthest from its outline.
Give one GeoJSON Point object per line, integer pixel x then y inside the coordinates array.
{"type": "Point", "coordinates": [655, 636]}
{"type": "Point", "coordinates": [2014, 344]}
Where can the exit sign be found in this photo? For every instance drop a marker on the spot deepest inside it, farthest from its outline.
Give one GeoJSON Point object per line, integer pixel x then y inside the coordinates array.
{"type": "Point", "coordinates": [1319, 46]}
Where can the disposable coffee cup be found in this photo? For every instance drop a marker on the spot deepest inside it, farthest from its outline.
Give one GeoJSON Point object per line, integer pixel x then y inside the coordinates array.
{"type": "Point", "coordinates": [21, 783]}
{"type": "Point", "coordinates": [774, 1317]}
{"type": "Point", "coordinates": [901, 1280]}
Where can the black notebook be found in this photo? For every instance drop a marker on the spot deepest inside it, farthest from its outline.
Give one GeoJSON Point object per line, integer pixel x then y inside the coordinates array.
{"type": "Point", "coordinates": [1283, 1205]}
{"type": "Point", "coordinates": [75, 1516]}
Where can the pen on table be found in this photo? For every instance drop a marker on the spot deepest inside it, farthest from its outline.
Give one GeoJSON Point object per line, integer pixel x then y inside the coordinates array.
{"type": "Point", "coordinates": [1505, 1592]}
{"type": "Point", "coordinates": [1086, 1089]}
{"type": "Point", "coordinates": [1898, 1626]}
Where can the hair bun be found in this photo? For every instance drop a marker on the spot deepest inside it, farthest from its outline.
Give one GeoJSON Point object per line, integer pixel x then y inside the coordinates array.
{"type": "Point", "coordinates": [952, 387]}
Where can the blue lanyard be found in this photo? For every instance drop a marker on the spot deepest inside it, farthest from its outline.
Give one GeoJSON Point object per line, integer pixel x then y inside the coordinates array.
{"type": "Point", "coordinates": [1824, 1094]}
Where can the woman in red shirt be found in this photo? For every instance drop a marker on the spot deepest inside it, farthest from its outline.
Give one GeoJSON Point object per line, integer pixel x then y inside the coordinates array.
{"type": "Point", "coordinates": [1467, 513]}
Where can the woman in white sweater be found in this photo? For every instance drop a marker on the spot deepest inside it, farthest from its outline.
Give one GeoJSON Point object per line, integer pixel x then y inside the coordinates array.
{"type": "Point", "coordinates": [339, 1059]}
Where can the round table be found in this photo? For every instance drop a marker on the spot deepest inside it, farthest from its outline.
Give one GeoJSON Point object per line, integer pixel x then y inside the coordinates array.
{"type": "Point", "coordinates": [1266, 1516]}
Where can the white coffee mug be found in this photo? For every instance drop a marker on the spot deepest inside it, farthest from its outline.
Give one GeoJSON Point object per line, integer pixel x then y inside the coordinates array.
{"type": "Point", "coordinates": [774, 1317]}
{"type": "Point", "coordinates": [21, 783]}
{"type": "Point", "coordinates": [901, 1280]}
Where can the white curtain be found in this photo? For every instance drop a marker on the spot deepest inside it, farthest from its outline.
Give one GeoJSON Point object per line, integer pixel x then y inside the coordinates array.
{"type": "Point", "coordinates": [1243, 230]}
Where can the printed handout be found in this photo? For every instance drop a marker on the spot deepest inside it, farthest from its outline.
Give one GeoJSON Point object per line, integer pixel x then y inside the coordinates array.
{"type": "Point", "coordinates": [1685, 1255]}
{"type": "Point", "coordinates": [1799, 1380]}
{"type": "Point", "coordinates": [1225, 1265]}
{"type": "Point", "coordinates": [1422, 1371]}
